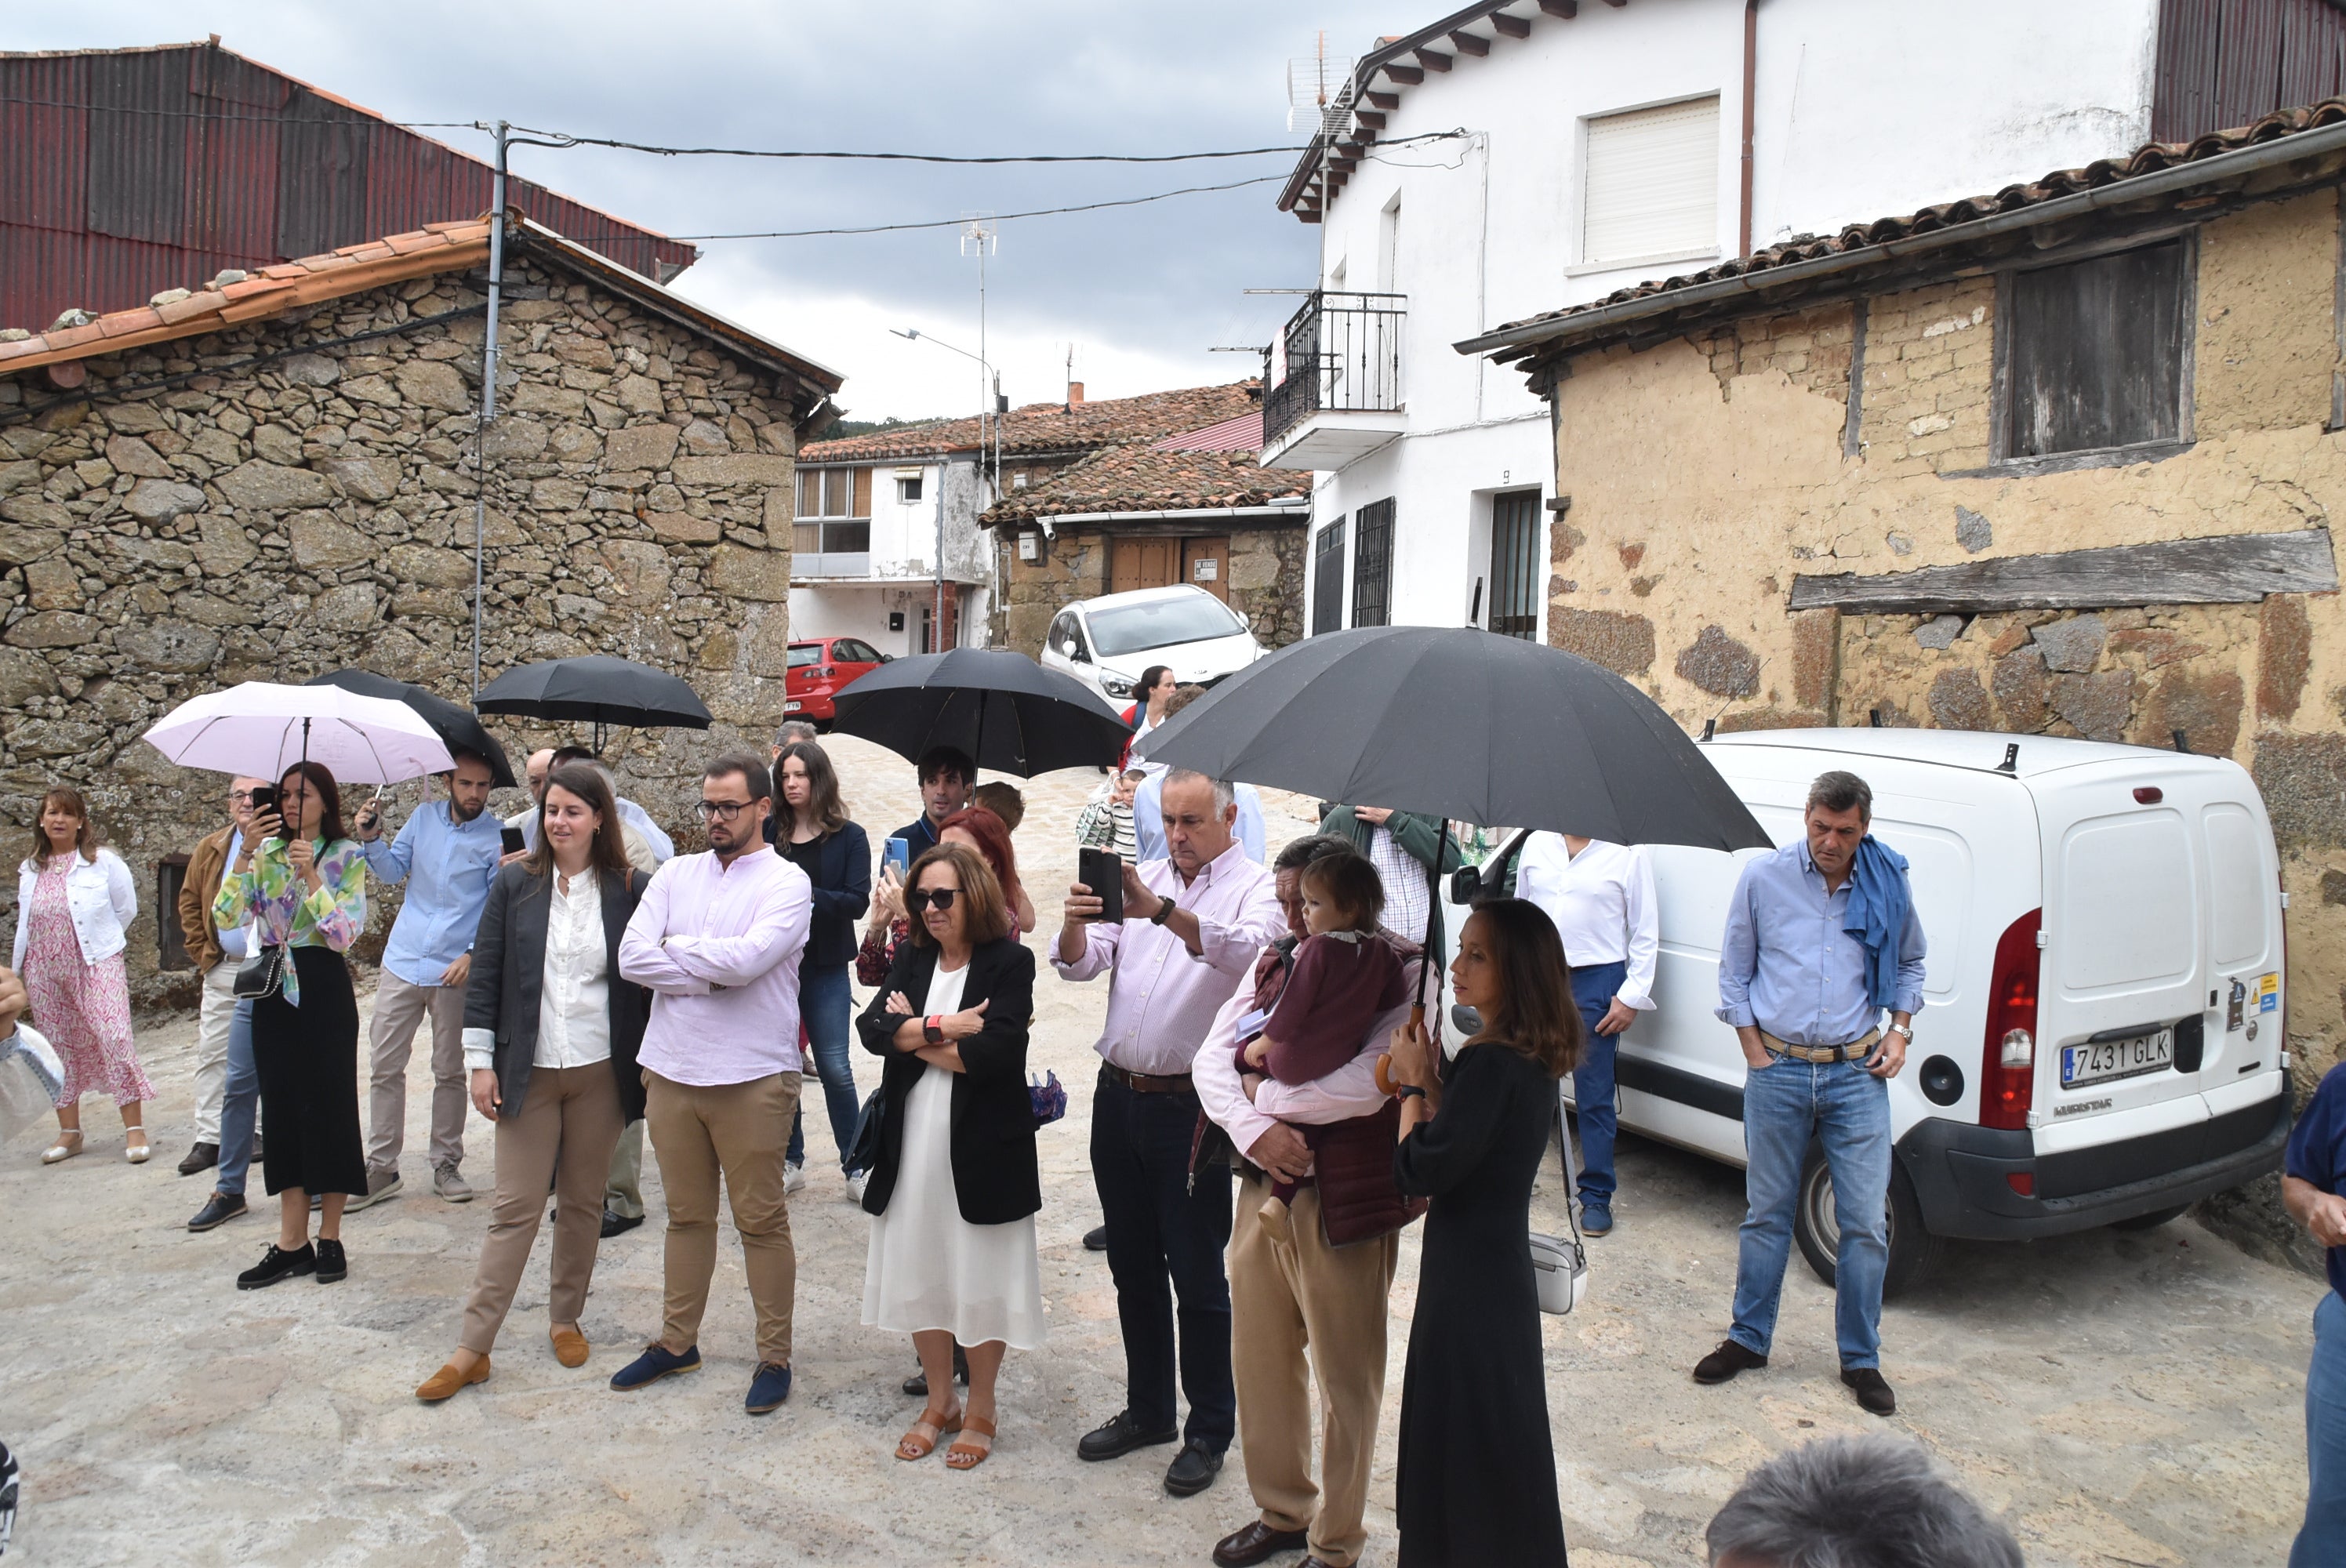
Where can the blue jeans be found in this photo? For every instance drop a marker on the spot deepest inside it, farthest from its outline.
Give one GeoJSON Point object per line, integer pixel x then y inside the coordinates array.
{"type": "Point", "coordinates": [1594, 986]}
{"type": "Point", "coordinates": [1848, 1109]}
{"type": "Point", "coordinates": [240, 1106]}
{"type": "Point", "coordinates": [2323, 1541]}
{"type": "Point", "coordinates": [825, 1003]}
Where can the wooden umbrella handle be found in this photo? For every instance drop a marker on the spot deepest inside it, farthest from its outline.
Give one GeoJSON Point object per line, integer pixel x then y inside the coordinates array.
{"type": "Point", "coordinates": [1385, 1084]}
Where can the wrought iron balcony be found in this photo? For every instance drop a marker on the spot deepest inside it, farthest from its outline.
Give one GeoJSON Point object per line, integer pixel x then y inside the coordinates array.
{"type": "Point", "coordinates": [1334, 380]}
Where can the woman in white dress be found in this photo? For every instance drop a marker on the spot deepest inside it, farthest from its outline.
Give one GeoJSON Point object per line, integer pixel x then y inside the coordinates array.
{"type": "Point", "coordinates": [955, 1187]}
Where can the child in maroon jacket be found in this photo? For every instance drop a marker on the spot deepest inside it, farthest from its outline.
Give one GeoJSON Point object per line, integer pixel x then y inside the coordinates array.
{"type": "Point", "coordinates": [1337, 982]}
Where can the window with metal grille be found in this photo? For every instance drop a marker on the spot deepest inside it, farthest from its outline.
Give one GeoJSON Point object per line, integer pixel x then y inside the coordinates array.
{"type": "Point", "coordinates": [1515, 565]}
{"type": "Point", "coordinates": [2094, 353]}
{"type": "Point", "coordinates": [1328, 579]}
{"type": "Point", "coordinates": [1372, 565]}
{"type": "Point", "coordinates": [1649, 185]}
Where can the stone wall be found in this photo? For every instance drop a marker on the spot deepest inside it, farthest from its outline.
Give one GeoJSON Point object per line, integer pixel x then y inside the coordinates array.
{"type": "Point", "coordinates": [1266, 580]}
{"type": "Point", "coordinates": [278, 521]}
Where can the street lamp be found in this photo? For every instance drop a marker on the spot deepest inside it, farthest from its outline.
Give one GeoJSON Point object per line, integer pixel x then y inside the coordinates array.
{"type": "Point", "coordinates": [914, 335]}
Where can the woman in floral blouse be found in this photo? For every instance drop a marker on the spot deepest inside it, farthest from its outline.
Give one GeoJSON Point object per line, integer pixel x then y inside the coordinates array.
{"type": "Point", "coordinates": [309, 892]}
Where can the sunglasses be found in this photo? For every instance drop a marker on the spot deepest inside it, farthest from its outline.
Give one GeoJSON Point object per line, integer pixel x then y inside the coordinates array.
{"type": "Point", "coordinates": [920, 899]}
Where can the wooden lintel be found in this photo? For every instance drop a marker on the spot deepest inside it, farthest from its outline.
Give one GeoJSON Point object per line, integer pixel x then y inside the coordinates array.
{"type": "Point", "coordinates": [1385, 100]}
{"type": "Point", "coordinates": [1370, 119]}
{"type": "Point", "coordinates": [1471, 44]}
{"type": "Point", "coordinates": [2234, 569]}
{"type": "Point", "coordinates": [1567, 9]}
{"type": "Point", "coordinates": [1511, 26]}
{"type": "Point", "coordinates": [1432, 59]}
{"type": "Point", "coordinates": [1407, 76]}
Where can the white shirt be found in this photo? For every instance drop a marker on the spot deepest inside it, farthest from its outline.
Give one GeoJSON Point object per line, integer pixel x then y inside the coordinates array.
{"type": "Point", "coordinates": [1602, 901]}
{"type": "Point", "coordinates": [574, 1019]}
{"type": "Point", "coordinates": [1408, 902]}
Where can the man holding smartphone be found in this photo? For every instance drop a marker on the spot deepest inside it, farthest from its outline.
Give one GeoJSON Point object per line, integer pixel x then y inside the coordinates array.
{"type": "Point", "coordinates": [448, 855]}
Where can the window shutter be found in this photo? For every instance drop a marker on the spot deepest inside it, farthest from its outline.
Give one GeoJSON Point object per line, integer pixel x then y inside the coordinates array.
{"type": "Point", "coordinates": [862, 494]}
{"type": "Point", "coordinates": [1651, 184]}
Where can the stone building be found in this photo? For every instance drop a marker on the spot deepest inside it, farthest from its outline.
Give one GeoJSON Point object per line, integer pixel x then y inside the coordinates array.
{"type": "Point", "coordinates": [275, 476]}
{"type": "Point", "coordinates": [2062, 460]}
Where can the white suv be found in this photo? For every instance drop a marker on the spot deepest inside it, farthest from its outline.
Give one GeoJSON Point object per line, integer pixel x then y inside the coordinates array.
{"type": "Point", "coordinates": [1107, 641]}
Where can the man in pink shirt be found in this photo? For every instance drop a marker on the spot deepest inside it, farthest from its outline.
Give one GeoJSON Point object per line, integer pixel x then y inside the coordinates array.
{"type": "Point", "coordinates": [1193, 925]}
{"type": "Point", "coordinates": [717, 939]}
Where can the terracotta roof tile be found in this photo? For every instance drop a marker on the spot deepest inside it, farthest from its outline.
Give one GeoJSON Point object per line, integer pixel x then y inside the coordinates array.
{"type": "Point", "coordinates": [1241, 433]}
{"type": "Point", "coordinates": [283, 269]}
{"type": "Point", "coordinates": [118, 323]}
{"type": "Point", "coordinates": [400, 244]}
{"type": "Point", "coordinates": [74, 337]}
{"type": "Point", "coordinates": [1053, 427]}
{"type": "Point", "coordinates": [1144, 478]}
{"type": "Point", "coordinates": [201, 302]}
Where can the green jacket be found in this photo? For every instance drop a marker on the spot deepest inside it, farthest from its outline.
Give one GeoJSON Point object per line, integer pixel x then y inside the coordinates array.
{"type": "Point", "coordinates": [1422, 838]}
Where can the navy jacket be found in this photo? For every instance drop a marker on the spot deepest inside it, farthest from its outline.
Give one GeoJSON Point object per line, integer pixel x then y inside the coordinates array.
{"type": "Point", "coordinates": [839, 864]}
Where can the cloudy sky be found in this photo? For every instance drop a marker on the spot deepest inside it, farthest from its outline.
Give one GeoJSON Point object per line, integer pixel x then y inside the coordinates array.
{"type": "Point", "coordinates": [1141, 294]}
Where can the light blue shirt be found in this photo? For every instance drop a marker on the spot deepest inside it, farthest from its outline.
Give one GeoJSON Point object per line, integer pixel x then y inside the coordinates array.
{"type": "Point", "coordinates": [447, 867]}
{"type": "Point", "coordinates": [1786, 964]}
{"type": "Point", "coordinates": [232, 944]}
{"type": "Point", "coordinates": [1149, 821]}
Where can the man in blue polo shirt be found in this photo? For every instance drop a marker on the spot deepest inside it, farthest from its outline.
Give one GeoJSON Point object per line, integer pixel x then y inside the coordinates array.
{"type": "Point", "coordinates": [448, 855]}
{"type": "Point", "coordinates": [2314, 1189]}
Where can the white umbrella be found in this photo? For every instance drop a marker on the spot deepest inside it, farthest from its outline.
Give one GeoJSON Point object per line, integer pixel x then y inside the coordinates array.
{"type": "Point", "coordinates": [260, 728]}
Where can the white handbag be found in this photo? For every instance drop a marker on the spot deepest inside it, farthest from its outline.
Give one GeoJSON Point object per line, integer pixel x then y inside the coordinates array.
{"type": "Point", "coordinates": [1561, 1267]}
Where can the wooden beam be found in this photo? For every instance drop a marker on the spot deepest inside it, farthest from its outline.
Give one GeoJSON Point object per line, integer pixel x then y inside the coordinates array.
{"type": "Point", "coordinates": [1370, 119]}
{"type": "Point", "coordinates": [1343, 164]}
{"type": "Point", "coordinates": [1511, 26]}
{"type": "Point", "coordinates": [1407, 76]}
{"type": "Point", "coordinates": [1432, 59]}
{"type": "Point", "coordinates": [1617, 4]}
{"type": "Point", "coordinates": [1471, 44]}
{"type": "Point", "coordinates": [1567, 9]}
{"type": "Point", "coordinates": [2235, 569]}
{"type": "Point", "coordinates": [1385, 100]}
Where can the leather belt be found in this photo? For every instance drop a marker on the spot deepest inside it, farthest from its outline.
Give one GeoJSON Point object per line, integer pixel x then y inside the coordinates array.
{"type": "Point", "coordinates": [1146, 1083]}
{"type": "Point", "coordinates": [1857, 1050]}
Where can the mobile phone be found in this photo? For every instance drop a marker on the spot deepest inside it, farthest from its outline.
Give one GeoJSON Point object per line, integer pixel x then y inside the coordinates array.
{"type": "Point", "coordinates": [264, 799]}
{"type": "Point", "coordinates": [1102, 871]}
{"type": "Point", "coordinates": [897, 855]}
{"type": "Point", "coordinates": [512, 841]}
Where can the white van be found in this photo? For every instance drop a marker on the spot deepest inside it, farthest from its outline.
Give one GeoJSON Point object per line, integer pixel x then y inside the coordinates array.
{"type": "Point", "coordinates": [2102, 1039]}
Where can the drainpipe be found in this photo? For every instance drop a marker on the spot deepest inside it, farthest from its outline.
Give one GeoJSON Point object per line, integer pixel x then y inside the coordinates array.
{"type": "Point", "coordinates": [488, 392]}
{"type": "Point", "coordinates": [1751, 115]}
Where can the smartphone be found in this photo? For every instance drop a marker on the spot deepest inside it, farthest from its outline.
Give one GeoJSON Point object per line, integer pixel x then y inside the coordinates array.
{"type": "Point", "coordinates": [897, 855]}
{"type": "Point", "coordinates": [264, 799]}
{"type": "Point", "coordinates": [512, 841]}
{"type": "Point", "coordinates": [1102, 871]}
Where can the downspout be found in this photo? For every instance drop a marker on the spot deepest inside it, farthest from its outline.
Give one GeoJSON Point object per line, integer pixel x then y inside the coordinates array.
{"type": "Point", "coordinates": [1750, 116]}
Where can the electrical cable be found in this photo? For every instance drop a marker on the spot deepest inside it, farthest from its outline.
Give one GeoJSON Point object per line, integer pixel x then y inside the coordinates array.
{"type": "Point", "coordinates": [567, 139]}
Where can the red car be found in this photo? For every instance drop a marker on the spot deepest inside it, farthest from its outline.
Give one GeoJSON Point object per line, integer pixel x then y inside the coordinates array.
{"type": "Point", "coordinates": [819, 669]}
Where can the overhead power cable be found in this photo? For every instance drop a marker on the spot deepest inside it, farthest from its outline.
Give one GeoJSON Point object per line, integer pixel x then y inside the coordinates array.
{"type": "Point", "coordinates": [565, 138]}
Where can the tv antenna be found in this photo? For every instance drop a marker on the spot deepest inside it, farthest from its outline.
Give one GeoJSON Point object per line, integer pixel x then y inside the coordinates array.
{"type": "Point", "coordinates": [1317, 84]}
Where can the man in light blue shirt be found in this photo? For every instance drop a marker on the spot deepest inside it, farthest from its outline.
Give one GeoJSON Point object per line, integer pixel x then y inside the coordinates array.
{"type": "Point", "coordinates": [448, 855]}
{"type": "Point", "coordinates": [1822, 937]}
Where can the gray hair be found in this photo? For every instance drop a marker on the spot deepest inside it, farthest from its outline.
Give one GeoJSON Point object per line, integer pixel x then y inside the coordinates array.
{"type": "Point", "coordinates": [1837, 791]}
{"type": "Point", "coordinates": [1856, 1502]}
{"type": "Point", "coordinates": [794, 730]}
{"type": "Point", "coordinates": [1226, 794]}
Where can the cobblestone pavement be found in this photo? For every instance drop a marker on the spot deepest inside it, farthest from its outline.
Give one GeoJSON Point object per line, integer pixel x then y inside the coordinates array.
{"type": "Point", "coordinates": [2121, 1400]}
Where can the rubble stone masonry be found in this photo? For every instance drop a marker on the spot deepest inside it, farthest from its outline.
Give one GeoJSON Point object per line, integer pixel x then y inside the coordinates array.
{"type": "Point", "coordinates": [279, 520]}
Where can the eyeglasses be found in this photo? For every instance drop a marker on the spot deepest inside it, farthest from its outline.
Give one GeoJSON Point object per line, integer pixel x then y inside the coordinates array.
{"type": "Point", "coordinates": [920, 899]}
{"type": "Point", "coordinates": [724, 810]}
{"type": "Point", "coordinates": [241, 796]}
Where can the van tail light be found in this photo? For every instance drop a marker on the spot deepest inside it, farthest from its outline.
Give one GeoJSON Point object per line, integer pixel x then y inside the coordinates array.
{"type": "Point", "coordinates": [2008, 1055]}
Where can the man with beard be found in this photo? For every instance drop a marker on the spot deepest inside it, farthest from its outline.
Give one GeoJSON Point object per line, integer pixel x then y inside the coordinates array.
{"type": "Point", "coordinates": [447, 855]}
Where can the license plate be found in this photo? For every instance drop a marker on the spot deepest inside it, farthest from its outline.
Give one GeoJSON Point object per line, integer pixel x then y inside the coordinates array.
{"type": "Point", "coordinates": [2099, 1061]}
{"type": "Point", "coordinates": [791, 707]}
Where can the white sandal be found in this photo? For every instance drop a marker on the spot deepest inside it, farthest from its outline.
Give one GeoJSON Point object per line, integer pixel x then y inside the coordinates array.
{"type": "Point", "coordinates": [61, 1150]}
{"type": "Point", "coordinates": [139, 1153]}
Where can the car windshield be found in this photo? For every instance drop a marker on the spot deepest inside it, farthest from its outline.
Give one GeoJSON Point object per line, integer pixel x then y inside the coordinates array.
{"type": "Point", "coordinates": [1160, 622]}
{"type": "Point", "coordinates": [805, 654]}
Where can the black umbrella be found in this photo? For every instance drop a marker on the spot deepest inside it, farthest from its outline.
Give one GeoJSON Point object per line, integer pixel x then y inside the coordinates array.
{"type": "Point", "coordinates": [458, 727]}
{"type": "Point", "coordinates": [599, 689]}
{"type": "Point", "coordinates": [1001, 709]}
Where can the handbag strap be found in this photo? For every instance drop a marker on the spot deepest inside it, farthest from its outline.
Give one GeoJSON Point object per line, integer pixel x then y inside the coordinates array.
{"type": "Point", "coordinates": [1566, 1156]}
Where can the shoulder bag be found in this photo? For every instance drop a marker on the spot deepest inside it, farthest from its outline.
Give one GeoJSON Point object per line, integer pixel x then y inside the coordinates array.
{"type": "Point", "coordinates": [1561, 1267]}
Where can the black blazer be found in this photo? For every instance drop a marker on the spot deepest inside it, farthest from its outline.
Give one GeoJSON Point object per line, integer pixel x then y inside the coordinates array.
{"type": "Point", "coordinates": [509, 976]}
{"type": "Point", "coordinates": [994, 1173]}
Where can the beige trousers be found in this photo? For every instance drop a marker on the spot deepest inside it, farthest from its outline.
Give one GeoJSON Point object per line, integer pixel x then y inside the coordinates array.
{"type": "Point", "coordinates": [739, 1132]}
{"type": "Point", "coordinates": [398, 1008]}
{"type": "Point", "coordinates": [623, 1190]}
{"type": "Point", "coordinates": [563, 1134]}
{"type": "Point", "coordinates": [1293, 1297]}
{"type": "Point", "coordinates": [215, 1012]}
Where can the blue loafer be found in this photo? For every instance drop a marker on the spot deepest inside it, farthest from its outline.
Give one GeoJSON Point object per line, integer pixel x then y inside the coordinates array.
{"type": "Point", "coordinates": [656, 1362]}
{"type": "Point", "coordinates": [768, 1389]}
{"type": "Point", "coordinates": [1595, 1219]}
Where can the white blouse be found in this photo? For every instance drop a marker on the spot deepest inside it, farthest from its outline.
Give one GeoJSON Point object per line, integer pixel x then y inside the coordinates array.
{"type": "Point", "coordinates": [574, 1019]}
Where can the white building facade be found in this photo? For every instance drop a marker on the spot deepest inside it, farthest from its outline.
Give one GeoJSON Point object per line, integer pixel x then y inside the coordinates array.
{"type": "Point", "coordinates": [866, 542]}
{"type": "Point", "coordinates": [1519, 158]}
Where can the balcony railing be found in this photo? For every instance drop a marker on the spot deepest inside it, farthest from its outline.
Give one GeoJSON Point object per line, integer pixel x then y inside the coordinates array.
{"type": "Point", "coordinates": [1341, 352]}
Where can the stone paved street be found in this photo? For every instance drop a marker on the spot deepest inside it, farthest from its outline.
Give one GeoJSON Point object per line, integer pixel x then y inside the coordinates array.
{"type": "Point", "coordinates": [2121, 1400]}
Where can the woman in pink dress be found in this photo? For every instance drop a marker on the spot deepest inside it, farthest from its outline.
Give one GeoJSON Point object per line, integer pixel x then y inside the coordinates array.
{"type": "Point", "coordinates": [75, 903]}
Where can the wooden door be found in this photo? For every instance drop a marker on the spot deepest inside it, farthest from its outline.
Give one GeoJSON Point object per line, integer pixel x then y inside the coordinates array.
{"type": "Point", "coordinates": [1144, 563]}
{"type": "Point", "coordinates": [1206, 564]}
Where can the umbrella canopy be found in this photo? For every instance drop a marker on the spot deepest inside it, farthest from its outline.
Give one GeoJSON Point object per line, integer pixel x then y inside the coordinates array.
{"type": "Point", "coordinates": [260, 728]}
{"type": "Point", "coordinates": [599, 689]}
{"type": "Point", "coordinates": [1002, 708]}
{"type": "Point", "coordinates": [460, 728]}
{"type": "Point", "coordinates": [1465, 725]}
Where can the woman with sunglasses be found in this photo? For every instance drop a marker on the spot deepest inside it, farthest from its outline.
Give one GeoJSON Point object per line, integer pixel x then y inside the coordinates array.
{"type": "Point", "coordinates": [955, 1185]}
{"type": "Point", "coordinates": [304, 891]}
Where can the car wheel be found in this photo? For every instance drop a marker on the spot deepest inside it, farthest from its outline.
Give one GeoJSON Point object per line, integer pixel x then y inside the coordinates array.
{"type": "Point", "coordinates": [1913, 1249]}
{"type": "Point", "coordinates": [2151, 1221]}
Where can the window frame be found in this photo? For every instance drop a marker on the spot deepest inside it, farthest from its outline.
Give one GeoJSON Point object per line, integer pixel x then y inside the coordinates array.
{"type": "Point", "coordinates": [1382, 516]}
{"type": "Point", "coordinates": [1583, 263]}
{"type": "Point", "coordinates": [909, 488]}
{"type": "Point", "coordinates": [1328, 598]}
{"type": "Point", "coordinates": [2001, 459]}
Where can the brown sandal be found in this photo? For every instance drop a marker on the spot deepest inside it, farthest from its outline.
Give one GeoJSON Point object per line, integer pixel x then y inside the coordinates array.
{"type": "Point", "coordinates": [913, 1445]}
{"type": "Point", "coordinates": [962, 1456]}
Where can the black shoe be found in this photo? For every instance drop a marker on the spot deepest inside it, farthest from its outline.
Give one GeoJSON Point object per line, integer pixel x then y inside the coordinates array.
{"type": "Point", "coordinates": [1119, 1436]}
{"type": "Point", "coordinates": [619, 1224]}
{"type": "Point", "coordinates": [202, 1158]}
{"type": "Point", "coordinates": [1193, 1468]}
{"type": "Point", "coordinates": [1723, 1363]}
{"type": "Point", "coordinates": [332, 1263]}
{"type": "Point", "coordinates": [1095, 1239]}
{"type": "Point", "coordinates": [218, 1210]}
{"type": "Point", "coordinates": [278, 1264]}
{"type": "Point", "coordinates": [916, 1387]}
{"type": "Point", "coordinates": [1873, 1391]}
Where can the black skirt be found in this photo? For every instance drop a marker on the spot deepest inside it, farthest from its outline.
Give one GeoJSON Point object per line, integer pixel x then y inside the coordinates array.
{"type": "Point", "coordinates": [308, 1057]}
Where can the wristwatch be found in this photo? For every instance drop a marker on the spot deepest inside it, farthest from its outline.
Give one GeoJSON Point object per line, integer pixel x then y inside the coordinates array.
{"type": "Point", "coordinates": [1407, 1091]}
{"type": "Point", "coordinates": [1905, 1029]}
{"type": "Point", "coordinates": [1164, 912]}
{"type": "Point", "coordinates": [930, 1030]}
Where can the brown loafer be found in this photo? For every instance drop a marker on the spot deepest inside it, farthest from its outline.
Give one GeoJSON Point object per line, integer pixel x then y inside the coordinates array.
{"type": "Point", "coordinates": [1245, 1548]}
{"type": "Point", "coordinates": [570, 1347]}
{"type": "Point", "coordinates": [444, 1382]}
